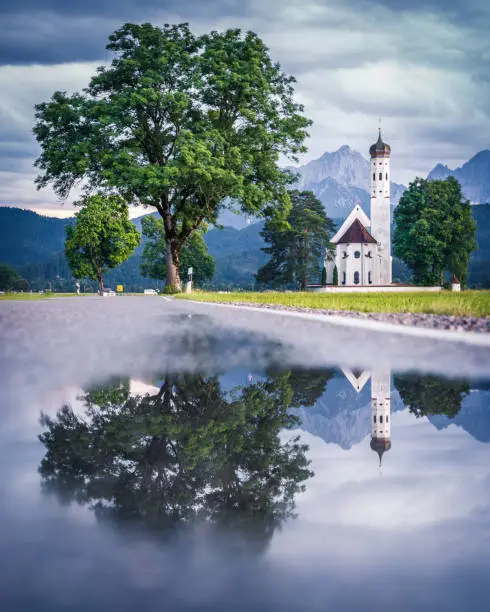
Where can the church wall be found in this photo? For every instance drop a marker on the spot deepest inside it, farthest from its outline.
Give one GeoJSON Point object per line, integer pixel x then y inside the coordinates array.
{"type": "Point", "coordinates": [351, 264]}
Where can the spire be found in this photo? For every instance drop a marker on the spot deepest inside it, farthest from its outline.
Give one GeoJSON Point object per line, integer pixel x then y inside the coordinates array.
{"type": "Point", "coordinates": [380, 148]}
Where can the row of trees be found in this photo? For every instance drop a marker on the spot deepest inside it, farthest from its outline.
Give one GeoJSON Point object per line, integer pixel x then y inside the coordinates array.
{"type": "Point", "coordinates": [189, 125]}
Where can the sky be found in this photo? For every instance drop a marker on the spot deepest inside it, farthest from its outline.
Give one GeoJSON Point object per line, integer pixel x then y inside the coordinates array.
{"type": "Point", "coordinates": [419, 65]}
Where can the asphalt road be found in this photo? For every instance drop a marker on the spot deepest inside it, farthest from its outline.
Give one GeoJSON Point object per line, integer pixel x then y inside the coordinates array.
{"type": "Point", "coordinates": [45, 345]}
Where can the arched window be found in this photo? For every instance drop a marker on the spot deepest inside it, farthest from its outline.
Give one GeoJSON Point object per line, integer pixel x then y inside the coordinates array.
{"type": "Point", "coordinates": [343, 278]}
{"type": "Point", "coordinates": [356, 278]}
{"type": "Point", "coordinates": [380, 176]}
{"type": "Point", "coordinates": [374, 176]}
{"type": "Point", "coordinates": [374, 419]}
{"type": "Point", "coordinates": [370, 278]}
{"type": "Point", "coordinates": [380, 418]}
{"type": "Point", "coordinates": [387, 418]}
{"type": "Point", "coordinates": [387, 176]}
{"type": "Point", "coordinates": [357, 254]}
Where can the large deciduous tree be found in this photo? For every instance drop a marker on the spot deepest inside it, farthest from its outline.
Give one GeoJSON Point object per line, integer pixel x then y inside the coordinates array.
{"type": "Point", "coordinates": [188, 452]}
{"type": "Point", "coordinates": [194, 253]}
{"type": "Point", "coordinates": [182, 123]}
{"type": "Point", "coordinates": [296, 251]}
{"type": "Point", "coordinates": [434, 230]}
{"type": "Point", "coordinates": [101, 238]}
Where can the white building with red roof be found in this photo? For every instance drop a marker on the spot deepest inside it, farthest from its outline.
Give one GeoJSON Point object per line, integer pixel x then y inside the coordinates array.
{"type": "Point", "coordinates": [362, 253]}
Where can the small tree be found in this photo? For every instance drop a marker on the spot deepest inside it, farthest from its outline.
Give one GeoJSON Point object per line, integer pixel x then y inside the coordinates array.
{"type": "Point", "coordinates": [186, 124]}
{"type": "Point", "coordinates": [324, 277]}
{"type": "Point", "coordinates": [434, 230]}
{"type": "Point", "coordinates": [101, 238]}
{"type": "Point", "coordinates": [11, 280]}
{"type": "Point", "coordinates": [296, 250]}
{"type": "Point", "coordinates": [335, 276]}
{"type": "Point", "coordinates": [194, 254]}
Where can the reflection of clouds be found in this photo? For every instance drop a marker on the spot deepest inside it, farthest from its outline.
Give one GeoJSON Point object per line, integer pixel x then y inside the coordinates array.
{"type": "Point", "coordinates": [429, 478]}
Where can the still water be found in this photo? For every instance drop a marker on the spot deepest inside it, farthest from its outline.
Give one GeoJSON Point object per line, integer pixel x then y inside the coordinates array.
{"type": "Point", "coordinates": [277, 489]}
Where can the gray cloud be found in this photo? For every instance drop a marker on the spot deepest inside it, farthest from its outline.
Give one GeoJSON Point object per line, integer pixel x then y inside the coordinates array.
{"type": "Point", "coordinates": [421, 65]}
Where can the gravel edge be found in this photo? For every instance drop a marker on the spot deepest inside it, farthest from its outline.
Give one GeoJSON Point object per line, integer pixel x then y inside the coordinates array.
{"type": "Point", "coordinates": [429, 321]}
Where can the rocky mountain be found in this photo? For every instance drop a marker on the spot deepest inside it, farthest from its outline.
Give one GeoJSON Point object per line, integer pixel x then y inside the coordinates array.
{"type": "Point", "coordinates": [474, 177]}
{"type": "Point", "coordinates": [339, 180]}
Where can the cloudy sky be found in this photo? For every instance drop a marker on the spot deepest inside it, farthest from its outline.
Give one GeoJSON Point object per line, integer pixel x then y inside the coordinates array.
{"type": "Point", "coordinates": [421, 65]}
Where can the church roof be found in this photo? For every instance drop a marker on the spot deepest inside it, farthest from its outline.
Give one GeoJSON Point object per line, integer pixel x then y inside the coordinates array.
{"type": "Point", "coordinates": [356, 233]}
{"type": "Point", "coordinates": [379, 148]}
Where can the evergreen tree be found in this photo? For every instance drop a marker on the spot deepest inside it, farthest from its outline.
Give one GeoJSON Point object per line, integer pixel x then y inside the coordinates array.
{"type": "Point", "coordinates": [295, 251]}
{"type": "Point", "coordinates": [323, 281]}
{"type": "Point", "coordinates": [335, 280]}
{"type": "Point", "coordinates": [434, 230]}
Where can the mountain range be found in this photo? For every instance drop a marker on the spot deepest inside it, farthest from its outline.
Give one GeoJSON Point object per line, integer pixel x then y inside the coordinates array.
{"type": "Point", "coordinates": [473, 176]}
{"type": "Point", "coordinates": [340, 180]}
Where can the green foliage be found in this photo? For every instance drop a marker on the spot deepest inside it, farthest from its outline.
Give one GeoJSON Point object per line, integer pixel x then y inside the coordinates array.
{"type": "Point", "coordinates": [295, 251]}
{"type": "Point", "coordinates": [185, 453]}
{"type": "Point", "coordinates": [335, 280]}
{"type": "Point", "coordinates": [11, 280]}
{"type": "Point", "coordinates": [185, 124]}
{"type": "Point", "coordinates": [323, 280]}
{"type": "Point", "coordinates": [434, 230]}
{"type": "Point", "coordinates": [425, 395]}
{"type": "Point", "coordinates": [101, 238]}
{"type": "Point", "coordinates": [193, 255]}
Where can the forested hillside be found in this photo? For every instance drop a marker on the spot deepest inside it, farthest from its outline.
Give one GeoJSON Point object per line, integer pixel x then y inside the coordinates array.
{"type": "Point", "coordinates": [34, 246]}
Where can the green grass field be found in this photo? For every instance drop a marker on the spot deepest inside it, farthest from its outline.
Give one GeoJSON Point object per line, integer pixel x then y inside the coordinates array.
{"type": "Point", "coordinates": [33, 296]}
{"type": "Point", "coordinates": [467, 303]}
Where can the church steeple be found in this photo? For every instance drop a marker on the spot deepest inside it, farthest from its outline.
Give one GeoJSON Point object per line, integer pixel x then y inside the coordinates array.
{"type": "Point", "coordinates": [380, 412]}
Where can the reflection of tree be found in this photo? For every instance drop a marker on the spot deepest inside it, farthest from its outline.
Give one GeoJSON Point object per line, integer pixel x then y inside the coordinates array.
{"type": "Point", "coordinates": [425, 395]}
{"type": "Point", "coordinates": [188, 452]}
{"type": "Point", "coordinates": [307, 385]}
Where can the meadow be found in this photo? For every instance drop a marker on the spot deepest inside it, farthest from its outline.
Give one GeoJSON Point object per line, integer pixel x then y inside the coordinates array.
{"type": "Point", "coordinates": [466, 303]}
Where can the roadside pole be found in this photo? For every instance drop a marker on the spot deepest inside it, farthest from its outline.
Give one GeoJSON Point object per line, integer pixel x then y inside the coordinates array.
{"type": "Point", "coordinates": [188, 286]}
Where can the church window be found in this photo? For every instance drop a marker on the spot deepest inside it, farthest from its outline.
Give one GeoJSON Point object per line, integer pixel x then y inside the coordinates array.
{"type": "Point", "coordinates": [370, 278]}
{"type": "Point", "coordinates": [356, 278]}
{"type": "Point", "coordinates": [374, 419]}
{"type": "Point", "coordinates": [380, 418]}
{"type": "Point", "coordinates": [343, 278]}
{"type": "Point", "coordinates": [387, 176]}
{"type": "Point", "coordinates": [387, 418]}
{"type": "Point", "coordinates": [380, 176]}
{"type": "Point", "coordinates": [374, 176]}
{"type": "Point", "coordinates": [357, 254]}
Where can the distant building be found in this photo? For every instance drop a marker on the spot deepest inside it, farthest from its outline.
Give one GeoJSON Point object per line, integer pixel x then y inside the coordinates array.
{"type": "Point", "coordinates": [363, 245]}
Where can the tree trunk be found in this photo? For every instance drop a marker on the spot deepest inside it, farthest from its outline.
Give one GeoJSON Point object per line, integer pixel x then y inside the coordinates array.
{"type": "Point", "coordinates": [101, 284]}
{"type": "Point", "coordinates": [173, 277]}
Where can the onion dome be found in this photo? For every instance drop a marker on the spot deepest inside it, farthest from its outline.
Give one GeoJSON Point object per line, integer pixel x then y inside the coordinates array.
{"type": "Point", "coordinates": [380, 148]}
{"type": "Point", "coordinates": [380, 445]}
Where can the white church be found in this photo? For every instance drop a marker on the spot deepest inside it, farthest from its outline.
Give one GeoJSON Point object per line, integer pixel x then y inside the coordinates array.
{"type": "Point", "coordinates": [362, 244]}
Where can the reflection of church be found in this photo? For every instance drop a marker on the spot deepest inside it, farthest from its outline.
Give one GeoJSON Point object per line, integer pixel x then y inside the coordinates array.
{"type": "Point", "coordinates": [380, 405]}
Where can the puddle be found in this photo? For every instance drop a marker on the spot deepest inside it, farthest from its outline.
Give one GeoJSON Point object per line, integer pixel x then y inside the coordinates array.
{"type": "Point", "coordinates": [275, 488]}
